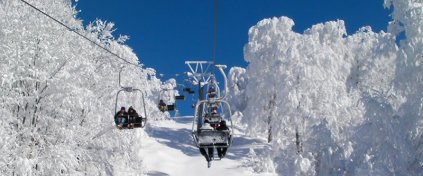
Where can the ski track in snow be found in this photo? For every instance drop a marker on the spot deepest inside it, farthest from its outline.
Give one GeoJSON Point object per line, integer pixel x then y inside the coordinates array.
{"type": "Point", "coordinates": [170, 151]}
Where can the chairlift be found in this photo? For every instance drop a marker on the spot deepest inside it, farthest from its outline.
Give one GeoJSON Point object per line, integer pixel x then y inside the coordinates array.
{"type": "Point", "coordinates": [180, 97]}
{"type": "Point", "coordinates": [188, 90]}
{"type": "Point", "coordinates": [206, 132]}
{"type": "Point", "coordinates": [184, 89]}
{"type": "Point", "coordinates": [211, 137]}
{"type": "Point", "coordinates": [130, 120]}
{"type": "Point", "coordinates": [167, 107]}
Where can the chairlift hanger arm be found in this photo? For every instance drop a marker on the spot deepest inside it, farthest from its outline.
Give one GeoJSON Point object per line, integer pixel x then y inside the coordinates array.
{"type": "Point", "coordinates": [221, 67]}
{"type": "Point", "coordinates": [127, 88]}
{"type": "Point", "coordinates": [143, 102]}
{"type": "Point", "coordinates": [116, 102]}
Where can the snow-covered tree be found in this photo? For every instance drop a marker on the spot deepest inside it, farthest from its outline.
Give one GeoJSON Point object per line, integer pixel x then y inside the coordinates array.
{"type": "Point", "coordinates": [237, 81]}
{"type": "Point", "coordinates": [407, 19]}
{"type": "Point", "coordinates": [58, 91]}
{"type": "Point", "coordinates": [345, 104]}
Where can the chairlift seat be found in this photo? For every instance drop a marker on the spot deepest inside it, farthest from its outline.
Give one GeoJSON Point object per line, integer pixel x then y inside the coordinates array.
{"type": "Point", "coordinates": [210, 138]}
{"type": "Point", "coordinates": [180, 97]}
{"type": "Point", "coordinates": [189, 90]}
{"type": "Point", "coordinates": [171, 107]}
{"type": "Point", "coordinates": [138, 122]}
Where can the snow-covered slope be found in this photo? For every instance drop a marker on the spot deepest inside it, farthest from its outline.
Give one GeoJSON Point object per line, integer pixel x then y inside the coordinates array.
{"type": "Point", "coordinates": [335, 103]}
{"type": "Point", "coordinates": [170, 151]}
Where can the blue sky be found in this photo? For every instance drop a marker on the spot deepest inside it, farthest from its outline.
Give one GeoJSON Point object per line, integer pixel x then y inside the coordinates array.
{"type": "Point", "coordinates": [165, 33]}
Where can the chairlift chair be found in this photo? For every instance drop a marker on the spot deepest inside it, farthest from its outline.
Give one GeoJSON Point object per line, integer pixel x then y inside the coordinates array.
{"type": "Point", "coordinates": [184, 89]}
{"type": "Point", "coordinates": [179, 97]}
{"type": "Point", "coordinates": [167, 107]}
{"type": "Point", "coordinates": [137, 122]}
{"type": "Point", "coordinates": [188, 90]}
{"type": "Point", "coordinates": [206, 138]}
{"type": "Point", "coordinates": [213, 137]}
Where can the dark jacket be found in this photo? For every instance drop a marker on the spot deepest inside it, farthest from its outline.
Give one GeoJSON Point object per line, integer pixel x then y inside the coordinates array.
{"type": "Point", "coordinates": [222, 126]}
{"type": "Point", "coordinates": [132, 112]}
{"type": "Point", "coordinates": [119, 114]}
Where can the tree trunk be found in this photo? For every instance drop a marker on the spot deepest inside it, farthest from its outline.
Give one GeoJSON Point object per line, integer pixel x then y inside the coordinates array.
{"type": "Point", "coordinates": [271, 108]}
{"type": "Point", "coordinates": [269, 123]}
{"type": "Point", "coordinates": [298, 141]}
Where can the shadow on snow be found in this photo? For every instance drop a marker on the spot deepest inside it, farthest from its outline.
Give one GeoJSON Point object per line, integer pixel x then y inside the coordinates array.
{"type": "Point", "coordinates": [181, 139]}
{"type": "Point", "coordinates": [156, 173]}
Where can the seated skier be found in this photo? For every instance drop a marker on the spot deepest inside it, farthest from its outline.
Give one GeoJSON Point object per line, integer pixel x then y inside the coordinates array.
{"type": "Point", "coordinates": [221, 151]}
{"type": "Point", "coordinates": [214, 117]}
{"type": "Point", "coordinates": [162, 106]}
{"type": "Point", "coordinates": [133, 115]}
{"type": "Point", "coordinates": [120, 118]}
{"type": "Point", "coordinates": [206, 126]}
{"type": "Point", "coordinates": [212, 121]}
{"type": "Point", "coordinates": [210, 151]}
{"type": "Point", "coordinates": [214, 111]}
{"type": "Point", "coordinates": [208, 156]}
{"type": "Point", "coordinates": [211, 93]}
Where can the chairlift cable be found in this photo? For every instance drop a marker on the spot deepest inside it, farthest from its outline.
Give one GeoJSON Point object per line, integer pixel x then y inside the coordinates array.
{"type": "Point", "coordinates": [216, 15]}
{"type": "Point", "coordinates": [70, 29]}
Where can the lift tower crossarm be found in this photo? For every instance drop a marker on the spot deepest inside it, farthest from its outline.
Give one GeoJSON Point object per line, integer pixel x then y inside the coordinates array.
{"type": "Point", "coordinates": [199, 70]}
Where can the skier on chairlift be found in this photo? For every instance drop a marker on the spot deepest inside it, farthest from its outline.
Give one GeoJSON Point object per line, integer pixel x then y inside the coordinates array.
{"type": "Point", "coordinates": [162, 106]}
{"type": "Point", "coordinates": [120, 118]}
{"type": "Point", "coordinates": [210, 151]}
{"type": "Point", "coordinates": [221, 151]}
{"type": "Point", "coordinates": [132, 113]}
{"type": "Point", "coordinates": [214, 111]}
{"type": "Point", "coordinates": [211, 92]}
{"type": "Point", "coordinates": [208, 156]}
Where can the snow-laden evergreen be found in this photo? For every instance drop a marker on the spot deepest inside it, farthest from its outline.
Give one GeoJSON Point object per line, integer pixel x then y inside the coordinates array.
{"type": "Point", "coordinates": [58, 91]}
{"type": "Point", "coordinates": [333, 103]}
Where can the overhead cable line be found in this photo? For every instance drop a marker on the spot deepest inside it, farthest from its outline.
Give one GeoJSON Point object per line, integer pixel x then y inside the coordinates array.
{"type": "Point", "coordinates": [83, 36]}
{"type": "Point", "coordinates": [216, 15]}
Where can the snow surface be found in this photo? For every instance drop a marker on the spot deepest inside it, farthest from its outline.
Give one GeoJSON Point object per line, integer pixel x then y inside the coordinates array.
{"type": "Point", "coordinates": [170, 151]}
